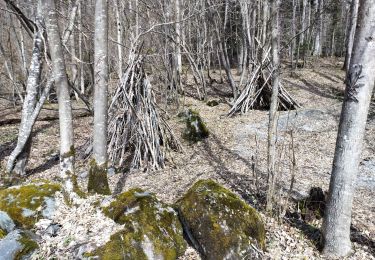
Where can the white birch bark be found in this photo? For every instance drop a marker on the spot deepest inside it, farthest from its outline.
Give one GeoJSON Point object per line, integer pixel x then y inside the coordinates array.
{"type": "Point", "coordinates": [359, 87]}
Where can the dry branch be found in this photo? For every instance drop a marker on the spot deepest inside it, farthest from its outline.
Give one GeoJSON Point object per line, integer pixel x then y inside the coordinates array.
{"type": "Point", "coordinates": [257, 91]}
{"type": "Point", "coordinates": [137, 130]}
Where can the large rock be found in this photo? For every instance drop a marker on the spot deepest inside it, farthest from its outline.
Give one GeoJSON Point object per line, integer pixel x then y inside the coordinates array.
{"type": "Point", "coordinates": [219, 223]}
{"type": "Point", "coordinates": [17, 245]}
{"type": "Point", "coordinates": [151, 229]}
{"type": "Point", "coordinates": [196, 130]}
{"type": "Point", "coordinates": [25, 205]}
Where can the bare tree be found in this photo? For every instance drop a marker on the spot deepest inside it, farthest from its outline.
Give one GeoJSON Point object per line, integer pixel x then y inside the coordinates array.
{"type": "Point", "coordinates": [98, 167]}
{"type": "Point", "coordinates": [319, 28]}
{"type": "Point", "coordinates": [359, 86]}
{"type": "Point", "coordinates": [272, 125]}
{"type": "Point", "coordinates": [62, 87]}
{"type": "Point", "coordinates": [351, 32]}
{"type": "Point", "coordinates": [19, 156]}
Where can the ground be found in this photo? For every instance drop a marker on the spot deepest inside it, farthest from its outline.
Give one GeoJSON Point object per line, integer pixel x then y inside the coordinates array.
{"type": "Point", "coordinates": [234, 155]}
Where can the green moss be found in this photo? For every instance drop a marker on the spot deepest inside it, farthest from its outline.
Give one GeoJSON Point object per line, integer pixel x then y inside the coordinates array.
{"type": "Point", "coordinates": [196, 130]}
{"type": "Point", "coordinates": [28, 244]}
{"type": "Point", "coordinates": [71, 153]}
{"type": "Point", "coordinates": [151, 228]}
{"type": "Point", "coordinates": [3, 233]}
{"type": "Point", "coordinates": [219, 221]}
{"type": "Point", "coordinates": [98, 181]}
{"type": "Point", "coordinates": [212, 103]}
{"type": "Point", "coordinates": [24, 204]}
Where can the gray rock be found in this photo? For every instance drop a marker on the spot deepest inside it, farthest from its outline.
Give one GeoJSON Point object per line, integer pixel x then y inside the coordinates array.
{"type": "Point", "coordinates": [6, 223]}
{"type": "Point", "coordinates": [17, 244]}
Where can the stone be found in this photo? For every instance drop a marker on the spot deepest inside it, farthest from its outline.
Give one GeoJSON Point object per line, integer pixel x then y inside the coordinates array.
{"type": "Point", "coordinates": [151, 229]}
{"type": "Point", "coordinates": [17, 245]}
{"type": "Point", "coordinates": [219, 224]}
{"type": "Point", "coordinates": [6, 223]}
{"type": "Point", "coordinates": [196, 130]}
{"type": "Point", "coordinates": [26, 204]}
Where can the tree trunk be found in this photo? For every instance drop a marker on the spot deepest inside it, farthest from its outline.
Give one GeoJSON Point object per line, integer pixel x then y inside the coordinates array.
{"type": "Point", "coordinates": [319, 28]}
{"type": "Point", "coordinates": [359, 87]}
{"type": "Point", "coordinates": [98, 168]}
{"type": "Point", "coordinates": [119, 27]}
{"type": "Point", "coordinates": [351, 32]}
{"type": "Point", "coordinates": [272, 126]}
{"type": "Point", "coordinates": [62, 87]}
{"type": "Point", "coordinates": [19, 156]}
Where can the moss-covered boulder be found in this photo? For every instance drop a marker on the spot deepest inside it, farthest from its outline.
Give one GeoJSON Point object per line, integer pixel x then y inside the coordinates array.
{"type": "Point", "coordinates": [25, 205]}
{"type": "Point", "coordinates": [151, 229]}
{"type": "Point", "coordinates": [212, 103]}
{"type": "Point", "coordinates": [196, 130]}
{"type": "Point", "coordinates": [17, 245]}
{"type": "Point", "coordinates": [219, 224]}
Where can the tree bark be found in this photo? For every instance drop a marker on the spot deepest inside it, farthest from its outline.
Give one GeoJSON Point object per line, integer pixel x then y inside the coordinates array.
{"type": "Point", "coordinates": [359, 87]}
{"type": "Point", "coordinates": [62, 88]}
{"type": "Point", "coordinates": [319, 28]}
{"type": "Point", "coordinates": [351, 32]}
{"type": "Point", "coordinates": [19, 156]}
{"type": "Point", "coordinates": [98, 182]}
{"type": "Point", "coordinates": [272, 126]}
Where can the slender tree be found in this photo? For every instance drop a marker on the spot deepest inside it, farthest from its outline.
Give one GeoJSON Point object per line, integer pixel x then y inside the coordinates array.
{"type": "Point", "coordinates": [351, 32]}
{"type": "Point", "coordinates": [98, 167]}
{"type": "Point", "coordinates": [272, 125]}
{"type": "Point", "coordinates": [359, 87]}
{"type": "Point", "coordinates": [62, 87]}
{"type": "Point", "coordinates": [18, 158]}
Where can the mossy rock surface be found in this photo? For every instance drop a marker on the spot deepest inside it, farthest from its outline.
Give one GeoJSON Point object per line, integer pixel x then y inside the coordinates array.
{"type": "Point", "coordinates": [196, 130]}
{"type": "Point", "coordinates": [212, 103]}
{"type": "Point", "coordinates": [151, 229]}
{"type": "Point", "coordinates": [17, 245]}
{"type": "Point", "coordinates": [26, 204]}
{"type": "Point", "coordinates": [219, 223]}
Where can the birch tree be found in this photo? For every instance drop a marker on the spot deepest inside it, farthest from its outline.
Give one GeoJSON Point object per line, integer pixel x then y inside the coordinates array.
{"type": "Point", "coordinates": [359, 86]}
{"type": "Point", "coordinates": [98, 182]}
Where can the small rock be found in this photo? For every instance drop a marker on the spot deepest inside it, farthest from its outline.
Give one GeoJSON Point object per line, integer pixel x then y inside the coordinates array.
{"type": "Point", "coordinates": [6, 223]}
{"type": "Point", "coordinates": [17, 245]}
{"type": "Point", "coordinates": [53, 229]}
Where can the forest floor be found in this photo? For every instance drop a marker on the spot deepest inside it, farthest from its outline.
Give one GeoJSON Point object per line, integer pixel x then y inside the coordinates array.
{"type": "Point", "coordinates": [235, 155]}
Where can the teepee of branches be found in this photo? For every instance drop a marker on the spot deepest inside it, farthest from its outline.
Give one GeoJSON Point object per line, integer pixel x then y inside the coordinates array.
{"type": "Point", "coordinates": [257, 91]}
{"type": "Point", "coordinates": [138, 131]}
